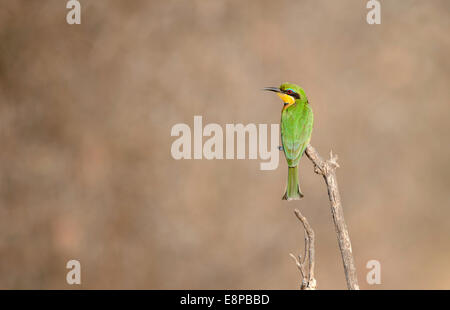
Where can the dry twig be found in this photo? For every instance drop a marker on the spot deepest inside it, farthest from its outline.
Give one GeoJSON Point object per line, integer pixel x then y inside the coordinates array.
{"type": "Point", "coordinates": [327, 168]}
{"type": "Point", "coordinates": [308, 280]}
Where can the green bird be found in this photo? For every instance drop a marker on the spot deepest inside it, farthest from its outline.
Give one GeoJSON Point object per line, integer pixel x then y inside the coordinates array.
{"type": "Point", "coordinates": [296, 128]}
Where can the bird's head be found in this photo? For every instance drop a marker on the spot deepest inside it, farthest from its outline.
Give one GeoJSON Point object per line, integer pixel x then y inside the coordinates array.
{"type": "Point", "coordinates": [288, 93]}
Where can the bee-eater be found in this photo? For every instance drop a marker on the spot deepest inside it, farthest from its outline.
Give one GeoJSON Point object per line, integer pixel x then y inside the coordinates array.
{"type": "Point", "coordinates": [296, 128]}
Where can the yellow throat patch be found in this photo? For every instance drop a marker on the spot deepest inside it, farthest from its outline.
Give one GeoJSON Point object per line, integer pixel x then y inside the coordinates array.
{"type": "Point", "coordinates": [288, 100]}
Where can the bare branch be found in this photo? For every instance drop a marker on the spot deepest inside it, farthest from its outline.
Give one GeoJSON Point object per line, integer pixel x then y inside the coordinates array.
{"type": "Point", "coordinates": [306, 248]}
{"type": "Point", "coordinates": [327, 168]}
{"type": "Point", "coordinates": [299, 264]}
{"type": "Point", "coordinates": [308, 280]}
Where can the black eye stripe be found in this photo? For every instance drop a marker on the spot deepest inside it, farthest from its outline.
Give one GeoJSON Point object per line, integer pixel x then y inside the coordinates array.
{"type": "Point", "coordinates": [291, 93]}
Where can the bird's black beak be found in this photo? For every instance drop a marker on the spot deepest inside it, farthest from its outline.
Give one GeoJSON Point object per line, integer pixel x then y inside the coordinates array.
{"type": "Point", "coordinates": [274, 89]}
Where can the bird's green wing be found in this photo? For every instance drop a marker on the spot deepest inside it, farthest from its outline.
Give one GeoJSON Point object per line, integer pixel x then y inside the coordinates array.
{"type": "Point", "coordinates": [296, 129]}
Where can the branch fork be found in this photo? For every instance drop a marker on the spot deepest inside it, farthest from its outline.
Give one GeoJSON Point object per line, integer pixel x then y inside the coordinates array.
{"type": "Point", "coordinates": [307, 263]}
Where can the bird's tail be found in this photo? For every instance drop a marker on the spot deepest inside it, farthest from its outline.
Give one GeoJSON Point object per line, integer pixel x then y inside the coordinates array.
{"type": "Point", "coordinates": [292, 188]}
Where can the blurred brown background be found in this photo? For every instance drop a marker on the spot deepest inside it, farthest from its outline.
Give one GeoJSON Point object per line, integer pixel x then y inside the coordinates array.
{"type": "Point", "coordinates": [86, 113]}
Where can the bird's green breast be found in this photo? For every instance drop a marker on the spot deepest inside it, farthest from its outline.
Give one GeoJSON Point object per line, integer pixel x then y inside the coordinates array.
{"type": "Point", "coordinates": [296, 128]}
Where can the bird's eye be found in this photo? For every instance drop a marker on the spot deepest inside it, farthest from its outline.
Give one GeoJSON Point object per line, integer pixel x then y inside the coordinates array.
{"type": "Point", "coordinates": [290, 92]}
